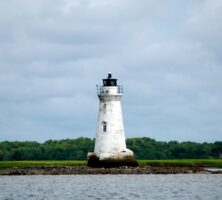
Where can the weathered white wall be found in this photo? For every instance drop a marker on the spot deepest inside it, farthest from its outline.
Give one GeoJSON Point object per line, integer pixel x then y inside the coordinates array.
{"type": "Point", "coordinates": [110, 144]}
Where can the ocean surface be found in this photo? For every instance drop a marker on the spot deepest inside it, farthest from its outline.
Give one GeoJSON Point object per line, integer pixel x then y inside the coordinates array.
{"type": "Point", "coordinates": [135, 187]}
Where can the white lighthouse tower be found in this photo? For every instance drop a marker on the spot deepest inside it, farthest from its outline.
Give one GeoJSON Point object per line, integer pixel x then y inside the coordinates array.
{"type": "Point", "coordinates": [110, 146]}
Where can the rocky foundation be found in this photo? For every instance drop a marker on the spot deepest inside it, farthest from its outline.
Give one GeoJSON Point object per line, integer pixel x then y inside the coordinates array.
{"type": "Point", "coordinates": [128, 161]}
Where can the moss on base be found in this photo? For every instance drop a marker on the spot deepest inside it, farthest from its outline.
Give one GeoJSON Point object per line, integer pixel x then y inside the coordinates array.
{"type": "Point", "coordinates": [94, 161]}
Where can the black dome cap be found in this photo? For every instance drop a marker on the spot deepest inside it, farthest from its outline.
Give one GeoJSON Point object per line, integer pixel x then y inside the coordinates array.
{"type": "Point", "coordinates": [109, 81]}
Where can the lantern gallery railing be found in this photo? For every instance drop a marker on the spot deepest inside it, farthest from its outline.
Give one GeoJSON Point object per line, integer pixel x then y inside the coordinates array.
{"type": "Point", "coordinates": [101, 89]}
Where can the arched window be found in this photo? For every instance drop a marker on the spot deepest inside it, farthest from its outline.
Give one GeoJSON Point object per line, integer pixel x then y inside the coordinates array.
{"type": "Point", "coordinates": [104, 126]}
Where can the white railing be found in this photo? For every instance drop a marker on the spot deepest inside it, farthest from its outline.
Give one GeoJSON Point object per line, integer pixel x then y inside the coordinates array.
{"type": "Point", "coordinates": [101, 89]}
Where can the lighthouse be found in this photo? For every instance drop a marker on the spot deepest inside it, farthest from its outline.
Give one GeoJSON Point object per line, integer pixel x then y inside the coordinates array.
{"type": "Point", "coordinates": [110, 145]}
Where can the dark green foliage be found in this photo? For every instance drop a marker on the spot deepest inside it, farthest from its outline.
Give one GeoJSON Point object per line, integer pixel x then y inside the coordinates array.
{"type": "Point", "coordinates": [146, 148]}
{"type": "Point", "coordinates": [77, 149]}
{"type": "Point", "coordinates": [69, 149]}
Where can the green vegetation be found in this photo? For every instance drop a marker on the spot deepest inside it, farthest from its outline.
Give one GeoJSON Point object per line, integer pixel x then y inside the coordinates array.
{"type": "Point", "coordinates": [69, 149]}
{"type": "Point", "coordinates": [149, 149]}
{"type": "Point", "coordinates": [161, 163]}
{"type": "Point", "coordinates": [192, 162]}
{"type": "Point", "coordinates": [9, 164]}
{"type": "Point", "coordinates": [77, 149]}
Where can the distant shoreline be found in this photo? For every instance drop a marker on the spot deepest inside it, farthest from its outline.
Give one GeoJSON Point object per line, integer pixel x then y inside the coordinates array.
{"type": "Point", "coordinates": [84, 170]}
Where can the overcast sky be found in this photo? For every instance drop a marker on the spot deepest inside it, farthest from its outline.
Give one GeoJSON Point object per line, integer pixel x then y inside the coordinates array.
{"type": "Point", "coordinates": [166, 54]}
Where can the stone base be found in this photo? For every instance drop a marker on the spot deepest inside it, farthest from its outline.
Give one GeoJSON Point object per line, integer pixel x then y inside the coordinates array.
{"type": "Point", "coordinates": [94, 161]}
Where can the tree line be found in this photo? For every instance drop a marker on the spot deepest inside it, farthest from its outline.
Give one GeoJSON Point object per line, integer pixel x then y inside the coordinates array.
{"type": "Point", "coordinates": [77, 149]}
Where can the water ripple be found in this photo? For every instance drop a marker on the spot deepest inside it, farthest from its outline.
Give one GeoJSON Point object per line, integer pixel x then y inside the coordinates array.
{"type": "Point", "coordinates": [125, 187]}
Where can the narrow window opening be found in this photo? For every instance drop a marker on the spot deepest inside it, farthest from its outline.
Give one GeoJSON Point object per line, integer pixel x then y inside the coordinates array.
{"type": "Point", "coordinates": [104, 126]}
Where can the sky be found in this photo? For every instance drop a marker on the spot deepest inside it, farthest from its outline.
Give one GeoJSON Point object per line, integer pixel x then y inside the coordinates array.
{"type": "Point", "coordinates": [166, 54]}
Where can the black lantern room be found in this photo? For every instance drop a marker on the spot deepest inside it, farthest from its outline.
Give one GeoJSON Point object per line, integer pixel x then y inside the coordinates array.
{"type": "Point", "coordinates": [109, 81]}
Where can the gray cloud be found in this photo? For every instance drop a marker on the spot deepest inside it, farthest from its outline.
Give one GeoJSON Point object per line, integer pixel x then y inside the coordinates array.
{"type": "Point", "coordinates": [166, 54]}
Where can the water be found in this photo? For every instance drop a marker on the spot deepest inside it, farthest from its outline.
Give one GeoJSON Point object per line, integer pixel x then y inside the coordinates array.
{"type": "Point", "coordinates": [189, 186]}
